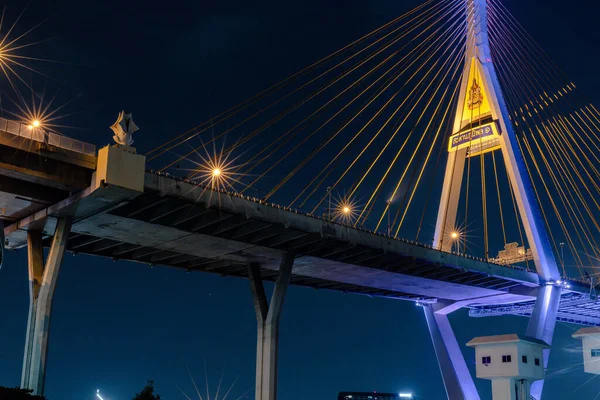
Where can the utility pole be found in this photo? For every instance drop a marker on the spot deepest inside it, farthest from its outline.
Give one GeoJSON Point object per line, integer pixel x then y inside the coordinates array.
{"type": "Point", "coordinates": [389, 226]}
{"type": "Point", "coordinates": [562, 255]}
{"type": "Point", "coordinates": [329, 206]}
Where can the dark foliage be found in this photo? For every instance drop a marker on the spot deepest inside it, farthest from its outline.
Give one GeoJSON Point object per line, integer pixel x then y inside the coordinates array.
{"type": "Point", "coordinates": [18, 394]}
{"type": "Point", "coordinates": [147, 393]}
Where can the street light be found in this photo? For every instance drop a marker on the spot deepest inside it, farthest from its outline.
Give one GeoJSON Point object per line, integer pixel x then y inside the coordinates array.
{"type": "Point", "coordinates": [455, 238]}
{"type": "Point", "coordinates": [389, 226]}
{"type": "Point", "coordinates": [34, 124]}
{"type": "Point", "coordinates": [329, 203]}
{"type": "Point", "coordinates": [562, 254]}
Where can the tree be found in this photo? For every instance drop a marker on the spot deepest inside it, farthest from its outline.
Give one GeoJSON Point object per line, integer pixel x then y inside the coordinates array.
{"type": "Point", "coordinates": [18, 394]}
{"type": "Point", "coordinates": [147, 393]}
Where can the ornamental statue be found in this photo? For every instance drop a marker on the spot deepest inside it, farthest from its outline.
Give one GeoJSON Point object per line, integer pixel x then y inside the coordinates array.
{"type": "Point", "coordinates": [123, 129]}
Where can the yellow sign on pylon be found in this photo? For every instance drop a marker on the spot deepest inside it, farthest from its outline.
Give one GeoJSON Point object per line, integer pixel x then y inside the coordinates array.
{"type": "Point", "coordinates": [476, 105]}
{"type": "Point", "coordinates": [479, 140]}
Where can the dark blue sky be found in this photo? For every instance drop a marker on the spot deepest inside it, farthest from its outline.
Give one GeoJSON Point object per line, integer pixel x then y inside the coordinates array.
{"type": "Point", "coordinates": [115, 325]}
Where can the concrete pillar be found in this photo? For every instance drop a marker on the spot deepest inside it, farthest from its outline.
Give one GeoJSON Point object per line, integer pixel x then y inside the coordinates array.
{"type": "Point", "coordinates": [541, 326]}
{"type": "Point", "coordinates": [511, 389]}
{"type": "Point", "coordinates": [458, 381]}
{"type": "Point", "coordinates": [267, 318]}
{"type": "Point", "coordinates": [2, 240]}
{"type": "Point", "coordinates": [42, 282]}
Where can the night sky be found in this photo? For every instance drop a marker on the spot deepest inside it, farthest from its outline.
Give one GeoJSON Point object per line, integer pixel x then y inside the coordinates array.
{"type": "Point", "coordinates": [116, 325]}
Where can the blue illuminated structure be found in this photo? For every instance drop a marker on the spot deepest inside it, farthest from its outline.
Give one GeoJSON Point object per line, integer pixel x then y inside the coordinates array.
{"type": "Point", "coordinates": [479, 64]}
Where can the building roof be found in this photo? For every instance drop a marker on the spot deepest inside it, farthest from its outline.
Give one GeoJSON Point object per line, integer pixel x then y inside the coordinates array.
{"type": "Point", "coordinates": [373, 395]}
{"type": "Point", "coordinates": [591, 330]}
{"type": "Point", "coordinates": [509, 338]}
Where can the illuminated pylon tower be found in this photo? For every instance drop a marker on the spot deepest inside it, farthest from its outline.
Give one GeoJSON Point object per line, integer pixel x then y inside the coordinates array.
{"type": "Point", "coordinates": [482, 125]}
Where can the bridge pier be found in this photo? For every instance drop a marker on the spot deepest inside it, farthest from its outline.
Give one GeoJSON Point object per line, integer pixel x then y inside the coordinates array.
{"type": "Point", "coordinates": [42, 282]}
{"type": "Point", "coordinates": [458, 381]}
{"type": "Point", "coordinates": [541, 326]}
{"type": "Point", "coordinates": [267, 318]}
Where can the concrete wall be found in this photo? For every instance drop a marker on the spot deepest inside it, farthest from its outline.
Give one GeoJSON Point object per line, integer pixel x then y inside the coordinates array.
{"type": "Point", "coordinates": [497, 368]}
{"type": "Point", "coordinates": [529, 370]}
{"type": "Point", "coordinates": [591, 364]}
{"type": "Point", "coordinates": [120, 166]}
{"type": "Point", "coordinates": [515, 368]}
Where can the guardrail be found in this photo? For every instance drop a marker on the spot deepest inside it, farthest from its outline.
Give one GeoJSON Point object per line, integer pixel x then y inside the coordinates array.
{"type": "Point", "coordinates": [52, 139]}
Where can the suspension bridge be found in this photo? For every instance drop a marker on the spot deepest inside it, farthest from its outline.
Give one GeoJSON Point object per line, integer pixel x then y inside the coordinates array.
{"type": "Point", "coordinates": [442, 159]}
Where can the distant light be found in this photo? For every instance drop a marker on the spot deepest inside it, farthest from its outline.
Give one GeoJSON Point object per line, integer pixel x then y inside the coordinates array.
{"type": "Point", "coordinates": [30, 127]}
{"type": "Point", "coordinates": [454, 235]}
{"type": "Point", "coordinates": [568, 286]}
{"type": "Point", "coordinates": [216, 172]}
{"type": "Point", "coordinates": [559, 282]}
{"type": "Point", "coordinates": [405, 395]}
{"type": "Point", "coordinates": [346, 210]}
{"type": "Point", "coordinates": [36, 123]}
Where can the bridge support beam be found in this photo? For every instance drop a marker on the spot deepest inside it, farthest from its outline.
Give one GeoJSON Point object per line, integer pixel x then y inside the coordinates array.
{"type": "Point", "coordinates": [458, 381]}
{"type": "Point", "coordinates": [267, 317]}
{"type": "Point", "coordinates": [42, 282]}
{"type": "Point", "coordinates": [541, 325]}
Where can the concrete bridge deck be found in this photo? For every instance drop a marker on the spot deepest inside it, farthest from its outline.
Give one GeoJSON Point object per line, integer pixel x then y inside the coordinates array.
{"type": "Point", "coordinates": [178, 224]}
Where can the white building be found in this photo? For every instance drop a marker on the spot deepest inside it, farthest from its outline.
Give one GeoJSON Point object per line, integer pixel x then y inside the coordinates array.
{"type": "Point", "coordinates": [511, 362]}
{"type": "Point", "coordinates": [591, 348]}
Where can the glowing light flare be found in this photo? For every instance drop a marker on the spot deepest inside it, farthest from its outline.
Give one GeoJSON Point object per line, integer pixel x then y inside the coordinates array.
{"type": "Point", "coordinates": [217, 171]}
{"type": "Point", "coordinates": [457, 238]}
{"type": "Point", "coordinates": [344, 210]}
{"type": "Point", "coordinates": [12, 60]}
{"type": "Point", "coordinates": [98, 394]}
{"type": "Point", "coordinates": [34, 124]}
{"type": "Point", "coordinates": [41, 112]}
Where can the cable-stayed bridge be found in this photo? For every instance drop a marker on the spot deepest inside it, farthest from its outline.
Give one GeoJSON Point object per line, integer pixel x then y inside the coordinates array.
{"type": "Point", "coordinates": [398, 166]}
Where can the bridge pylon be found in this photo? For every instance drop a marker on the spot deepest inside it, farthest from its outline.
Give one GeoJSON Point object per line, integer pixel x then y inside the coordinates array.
{"type": "Point", "coordinates": [42, 282]}
{"type": "Point", "coordinates": [482, 124]}
{"type": "Point", "coordinates": [267, 318]}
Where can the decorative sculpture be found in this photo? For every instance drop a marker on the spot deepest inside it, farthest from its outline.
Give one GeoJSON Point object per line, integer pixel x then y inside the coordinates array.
{"type": "Point", "coordinates": [124, 128]}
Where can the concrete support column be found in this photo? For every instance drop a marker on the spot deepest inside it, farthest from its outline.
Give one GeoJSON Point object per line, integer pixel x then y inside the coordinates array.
{"type": "Point", "coordinates": [2, 240]}
{"type": "Point", "coordinates": [42, 282]}
{"type": "Point", "coordinates": [510, 389]}
{"type": "Point", "coordinates": [458, 381]}
{"type": "Point", "coordinates": [267, 317]}
{"type": "Point", "coordinates": [541, 326]}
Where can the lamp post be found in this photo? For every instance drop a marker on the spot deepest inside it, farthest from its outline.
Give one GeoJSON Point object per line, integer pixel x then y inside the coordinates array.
{"type": "Point", "coordinates": [562, 255]}
{"type": "Point", "coordinates": [389, 226]}
{"type": "Point", "coordinates": [329, 205]}
{"type": "Point", "coordinates": [455, 238]}
{"type": "Point", "coordinates": [36, 125]}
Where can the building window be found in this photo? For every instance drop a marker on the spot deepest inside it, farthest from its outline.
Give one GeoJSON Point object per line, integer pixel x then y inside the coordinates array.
{"type": "Point", "coordinates": [524, 358]}
{"type": "Point", "coordinates": [507, 358]}
{"type": "Point", "coordinates": [537, 361]}
{"type": "Point", "coordinates": [595, 352]}
{"type": "Point", "coordinates": [486, 360]}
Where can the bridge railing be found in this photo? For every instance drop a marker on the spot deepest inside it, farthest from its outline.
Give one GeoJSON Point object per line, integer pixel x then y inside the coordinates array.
{"type": "Point", "coordinates": [297, 211]}
{"type": "Point", "coordinates": [52, 139]}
